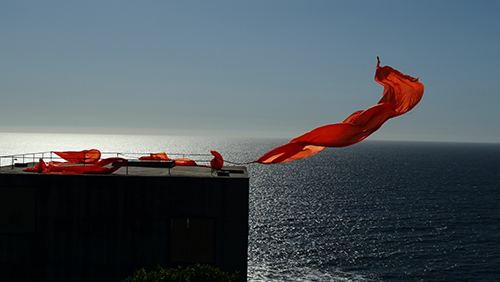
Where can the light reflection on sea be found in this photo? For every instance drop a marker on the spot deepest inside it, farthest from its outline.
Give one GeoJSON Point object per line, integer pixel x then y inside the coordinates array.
{"type": "Point", "coordinates": [375, 211]}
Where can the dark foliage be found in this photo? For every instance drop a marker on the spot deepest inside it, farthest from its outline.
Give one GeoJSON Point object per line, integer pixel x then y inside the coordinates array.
{"type": "Point", "coordinates": [196, 273]}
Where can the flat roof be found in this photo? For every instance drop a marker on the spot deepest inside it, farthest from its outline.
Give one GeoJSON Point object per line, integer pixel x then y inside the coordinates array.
{"type": "Point", "coordinates": [151, 171]}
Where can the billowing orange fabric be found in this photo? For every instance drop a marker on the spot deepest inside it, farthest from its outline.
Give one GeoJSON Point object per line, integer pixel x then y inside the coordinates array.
{"type": "Point", "coordinates": [185, 162]}
{"type": "Point", "coordinates": [81, 157]}
{"type": "Point", "coordinates": [40, 167]}
{"type": "Point", "coordinates": [401, 94]}
{"type": "Point", "coordinates": [70, 167]}
{"type": "Point", "coordinates": [158, 156]}
{"type": "Point", "coordinates": [163, 157]}
{"type": "Point", "coordinates": [217, 162]}
{"type": "Point", "coordinates": [79, 162]}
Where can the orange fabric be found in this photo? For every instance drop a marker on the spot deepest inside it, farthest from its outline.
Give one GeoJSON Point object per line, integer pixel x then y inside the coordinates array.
{"type": "Point", "coordinates": [217, 162]}
{"type": "Point", "coordinates": [163, 157]}
{"type": "Point", "coordinates": [185, 162]}
{"type": "Point", "coordinates": [157, 156]}
{"type": "Point", "coordinates": [401, 94]}
{"type": "Point", "coordinates": [70, 168]}
{"type": "Point", "coordinates": [40, 167]}
{"type": "Point", "coordinates": [81, 157]}
{"type": "Point", "coordinates": [88, 158]}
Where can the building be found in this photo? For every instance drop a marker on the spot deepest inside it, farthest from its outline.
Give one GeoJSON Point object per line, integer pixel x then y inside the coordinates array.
{"type": "Point", "coordinates": [85, 227]}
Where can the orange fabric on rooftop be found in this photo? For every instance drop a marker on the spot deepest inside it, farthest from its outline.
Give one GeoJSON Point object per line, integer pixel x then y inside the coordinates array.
{"type": "Point", "coordinates": [99, 167]}
{"type": "Point", "coordinates": [163, 157]}
{"type": "Point", "coordinates": [91, 156]}
{"type": "Point", "coordinates": [401, 94]}
{"type": "Point", "coordinates": [157, 156]}
{"type": "Point", "coordinates": [217, 162]}
{"type": "Point", "coordinates": [185, 162]}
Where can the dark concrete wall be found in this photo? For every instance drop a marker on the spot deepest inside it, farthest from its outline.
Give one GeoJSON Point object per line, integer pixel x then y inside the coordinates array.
{"type": "Point", "coordinates": [104, 227]}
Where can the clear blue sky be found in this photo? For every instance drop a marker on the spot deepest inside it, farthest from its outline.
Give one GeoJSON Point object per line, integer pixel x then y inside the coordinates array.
{"type": "Point", "coordinates": [251, 68]}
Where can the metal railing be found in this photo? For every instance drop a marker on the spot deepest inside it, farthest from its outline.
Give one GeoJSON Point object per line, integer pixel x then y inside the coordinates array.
{"type": "Point", "coordinates": [48, 156]}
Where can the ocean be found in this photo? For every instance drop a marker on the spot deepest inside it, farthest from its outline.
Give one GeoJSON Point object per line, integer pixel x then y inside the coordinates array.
{"type": "Point", "coordinates": [375, 211]}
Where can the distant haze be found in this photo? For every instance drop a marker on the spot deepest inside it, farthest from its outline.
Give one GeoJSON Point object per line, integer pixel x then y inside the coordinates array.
{"type": "Point", "coordinates": [246, 68]}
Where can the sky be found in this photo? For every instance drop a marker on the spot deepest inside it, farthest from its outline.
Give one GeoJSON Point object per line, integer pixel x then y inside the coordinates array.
{"type": "Point", "coordinates": [246, 68]}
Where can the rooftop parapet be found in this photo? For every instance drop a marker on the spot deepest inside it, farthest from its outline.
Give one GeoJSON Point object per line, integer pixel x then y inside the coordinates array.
{"type": "Point", "coordinates": [134, 167]}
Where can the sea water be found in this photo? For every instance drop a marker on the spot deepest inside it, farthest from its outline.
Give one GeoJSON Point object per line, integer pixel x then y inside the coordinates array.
{"type": "Point", "coordinates": [375, 211]}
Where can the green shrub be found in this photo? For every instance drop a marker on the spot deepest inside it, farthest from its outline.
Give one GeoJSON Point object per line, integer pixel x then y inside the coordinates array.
{"type": "Point", "coordinates": [196, 273]}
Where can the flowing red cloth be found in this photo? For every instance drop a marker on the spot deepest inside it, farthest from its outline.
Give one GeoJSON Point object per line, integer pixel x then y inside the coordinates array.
{"type": "Point", "coordinates": [217, 162]}
{"type": "Point", "coordinates": [163, 157]}
{"type": "Point", "coordinates": [156, 157]}
{"type": "Point", "coordinates": [401, 94]}
{"type": "Point", "coordinates": [185, 162]}
{"type": "Point", "coordinates": [91, 156]}
{"type": "Point", "coordinates": [99, 167]}
{"type": "Point", "coordinates": [40, 167]}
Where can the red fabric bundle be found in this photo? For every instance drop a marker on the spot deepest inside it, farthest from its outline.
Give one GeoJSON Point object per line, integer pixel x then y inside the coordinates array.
{"type": "Point", "coordinates": [79, 162]}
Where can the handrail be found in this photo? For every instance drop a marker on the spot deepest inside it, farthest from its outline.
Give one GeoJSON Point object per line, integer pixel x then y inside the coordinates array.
{"type": "Point", "coordinates": [51, 156]}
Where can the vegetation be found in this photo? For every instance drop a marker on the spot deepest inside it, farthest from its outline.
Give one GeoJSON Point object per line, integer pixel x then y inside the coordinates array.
{"type": "Point", "coordinates": [196, 273]}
